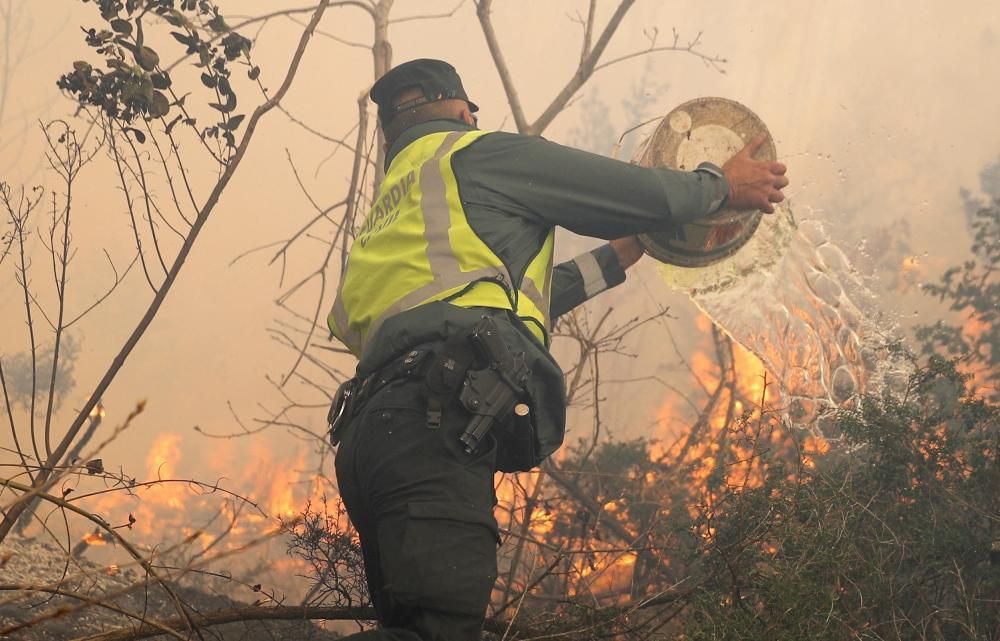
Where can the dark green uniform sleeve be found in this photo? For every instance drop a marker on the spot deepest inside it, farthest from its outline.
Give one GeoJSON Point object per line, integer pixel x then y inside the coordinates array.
{"type": "Point", "coordinates": [589, 194]}
{"type": "Point", "coordinates": [582, 278]}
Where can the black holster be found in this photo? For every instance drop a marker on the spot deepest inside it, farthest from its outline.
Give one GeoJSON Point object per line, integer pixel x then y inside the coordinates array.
{"type": "Point", "coordinates": [490, 381]}
{"type": "Point", "coordinates": [477, 368]}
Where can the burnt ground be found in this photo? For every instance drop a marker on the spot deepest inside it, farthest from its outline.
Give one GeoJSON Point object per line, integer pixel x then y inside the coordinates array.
{"type": "Point", "coordinates": [39, 562]}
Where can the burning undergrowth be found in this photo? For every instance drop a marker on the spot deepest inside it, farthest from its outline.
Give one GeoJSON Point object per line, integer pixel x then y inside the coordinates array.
{"type": "Point", "coordinates": [731, 523]}
{"type": "Point", "coordinates": [235, 523]}
{"type": "Point", "coordinates": [743, 534]}
{"type": "Point", "coordinates": [63, 597]}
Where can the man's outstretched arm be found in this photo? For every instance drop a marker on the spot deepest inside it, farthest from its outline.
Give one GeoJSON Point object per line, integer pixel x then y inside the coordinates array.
{"type": "Point", "coordinates": [589, 194]}
{"type": "Point", "coordinates": [578, 280]}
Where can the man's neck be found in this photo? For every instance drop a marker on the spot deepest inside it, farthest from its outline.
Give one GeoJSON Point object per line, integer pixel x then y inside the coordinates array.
{"type": "Point", "coordinates": [419, 131]}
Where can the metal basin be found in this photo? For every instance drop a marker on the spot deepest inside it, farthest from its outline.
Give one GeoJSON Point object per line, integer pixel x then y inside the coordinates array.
{"type": "Point", "coordinates": [704, 129]}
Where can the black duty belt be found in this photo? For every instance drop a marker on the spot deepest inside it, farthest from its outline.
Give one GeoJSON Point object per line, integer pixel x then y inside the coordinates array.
{"type": "Point", "coordinates": [478, 369]}
{"type": "Point", "coordinates": [354, 393]}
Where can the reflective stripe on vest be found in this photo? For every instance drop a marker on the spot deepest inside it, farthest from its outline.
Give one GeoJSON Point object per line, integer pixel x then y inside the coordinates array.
{"type": "Point", "coordinates": [416, 246]}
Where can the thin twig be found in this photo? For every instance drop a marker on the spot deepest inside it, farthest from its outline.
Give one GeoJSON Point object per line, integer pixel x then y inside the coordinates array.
{"type": "Point", "coordinates": [12, 515]}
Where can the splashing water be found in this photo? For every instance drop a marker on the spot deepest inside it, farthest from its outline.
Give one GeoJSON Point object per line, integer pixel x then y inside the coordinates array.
{"type": "Point", "coordinates": [789, 294]}
{"type": "Point", "coordinates": [793, 298]}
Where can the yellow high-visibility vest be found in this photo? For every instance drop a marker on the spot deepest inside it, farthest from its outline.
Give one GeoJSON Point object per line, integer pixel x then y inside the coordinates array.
{"type": "Point", "coordinates": [416, 246]}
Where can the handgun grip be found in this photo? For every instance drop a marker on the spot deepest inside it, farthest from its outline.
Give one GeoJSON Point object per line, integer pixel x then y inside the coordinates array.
{"type": "Point", "coordinates": [475, 431]}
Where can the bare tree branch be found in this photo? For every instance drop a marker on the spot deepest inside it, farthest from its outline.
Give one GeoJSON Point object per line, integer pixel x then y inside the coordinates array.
{"type": "Point", "coordinates": [715, 62]}
{"type": "Point", "coordinates": [142, 618]}
{"type": "Point", "coordinates": [104, 525]}
{"type": "Point", "coordinates": [483, 8]}
{"type": "Point", "coordinates": [579, 78]}
{"type": "Point", "coordinates": [12, 515]}
{"type": "Point", "coordinates": [429, 16]}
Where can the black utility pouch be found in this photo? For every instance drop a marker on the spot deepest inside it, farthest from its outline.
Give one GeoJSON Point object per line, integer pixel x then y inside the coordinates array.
{"type": "Point", "coordinates": [517, 447]}
{"type": "Point", "coordinates": [445, 375]}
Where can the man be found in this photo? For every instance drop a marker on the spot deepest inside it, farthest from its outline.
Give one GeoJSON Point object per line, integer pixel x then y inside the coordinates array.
{"type": "Point", "coordinates": [447, 300]}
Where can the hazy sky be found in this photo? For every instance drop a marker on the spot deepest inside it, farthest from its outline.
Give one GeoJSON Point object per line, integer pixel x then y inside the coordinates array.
{"type": "Point", "coordinates": [882, 111]}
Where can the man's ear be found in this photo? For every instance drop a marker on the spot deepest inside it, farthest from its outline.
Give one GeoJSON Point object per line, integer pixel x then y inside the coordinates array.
{"type": "Point", "coordinates": [466, 116]}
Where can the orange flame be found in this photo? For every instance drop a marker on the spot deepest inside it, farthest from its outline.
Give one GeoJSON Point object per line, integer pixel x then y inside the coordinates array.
{"type": "Point", "coordinates": [94, 538]}
{"type": "Point", "coordinates": [165, 510]}
{"type": "Point", "coordinates": [974, 328]}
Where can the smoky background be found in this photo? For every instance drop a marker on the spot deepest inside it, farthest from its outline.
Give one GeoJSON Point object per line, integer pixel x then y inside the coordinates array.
{"type": "Point", "coordinates": [884, 113]}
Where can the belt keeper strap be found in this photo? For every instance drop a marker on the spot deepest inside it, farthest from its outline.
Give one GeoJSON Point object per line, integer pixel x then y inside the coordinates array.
{"type": "Point", "coordinates": [433, 413]}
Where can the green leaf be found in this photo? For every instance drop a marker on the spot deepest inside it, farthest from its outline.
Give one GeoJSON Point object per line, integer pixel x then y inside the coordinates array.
{"type": "Point", "coordinates": [226, 108]}
{"type": "Point", "coordinates": [209, 80]}
{"type": "Point", "coordinates": [146, 89]}
{"type": "Point", "coordinates": [235, 45]}
{"type": "Point", "coordinates": [81, 65]}
{"type": "Point", "coordinates": [147, 58]}
{"type": "Point", "coordinates": [122, 26]}
{"type": "Point", "coordinates": [175, 18]}
{"type": "Point", "coordinates": [234, 123]}
{"type": "Point", "coordinates": [183, 38]}
{"type": "Point", "coordinates": [254, 73]}
{"type": "Point", "coordinates": [161, 80]}
{"type": "Point", "coordinates": [172, 123]}
{"type": "Point", "coordinates": [139, 136]}
{"type": "Point", "coordinates": [159, 106]}
{"type": "Point", "coordinates": [218, 24]}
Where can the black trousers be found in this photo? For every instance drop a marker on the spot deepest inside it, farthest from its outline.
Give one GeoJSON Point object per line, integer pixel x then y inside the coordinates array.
{"type": "Point", "coordinates": [424, 511]}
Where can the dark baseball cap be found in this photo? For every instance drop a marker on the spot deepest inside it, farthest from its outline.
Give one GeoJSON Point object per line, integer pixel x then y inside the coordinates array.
{"type": "Point", "coordinates": [437, 79]}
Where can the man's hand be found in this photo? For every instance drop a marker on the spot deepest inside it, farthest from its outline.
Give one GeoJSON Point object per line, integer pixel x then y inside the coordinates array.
{"type": "Point", "coordinates": [754, 184]}
{"type": "Point", "coordinates": [628, 249]}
